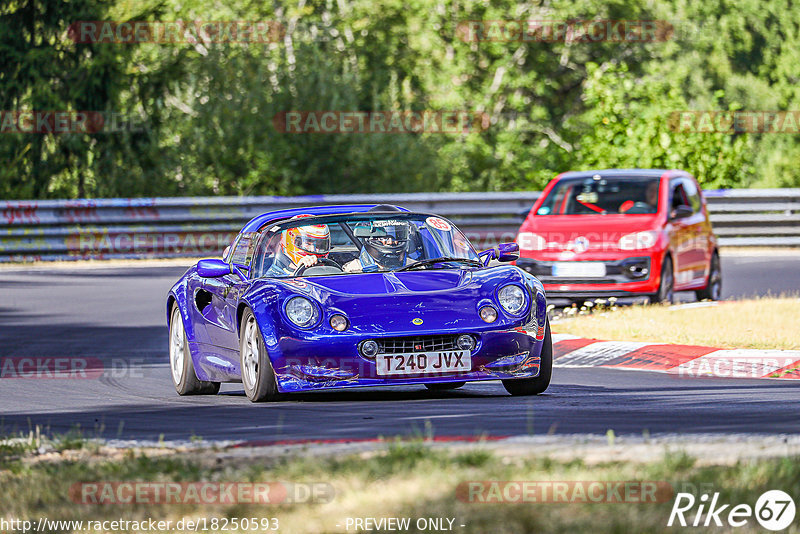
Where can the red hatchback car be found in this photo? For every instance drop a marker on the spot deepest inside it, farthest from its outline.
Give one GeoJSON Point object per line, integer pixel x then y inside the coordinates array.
{"type": "Point", "coordinates": [621, 233]}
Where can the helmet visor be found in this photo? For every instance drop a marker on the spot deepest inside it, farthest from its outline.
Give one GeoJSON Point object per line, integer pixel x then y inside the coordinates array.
{"type": "Point", "coordinates": [313, 244]}
{"type": "Point", "coordinates": [389, 232]}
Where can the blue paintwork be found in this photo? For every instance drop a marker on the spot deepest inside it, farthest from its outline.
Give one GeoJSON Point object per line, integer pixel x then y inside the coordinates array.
{"type": "Point", "coordinates": [376, 305]}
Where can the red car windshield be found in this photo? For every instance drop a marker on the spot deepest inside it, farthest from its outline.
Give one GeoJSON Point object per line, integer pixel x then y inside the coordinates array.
{"type": "Point", "coordinates": [596, 195]}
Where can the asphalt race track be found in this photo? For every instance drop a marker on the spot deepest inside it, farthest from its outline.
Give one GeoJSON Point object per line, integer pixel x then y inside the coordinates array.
{"type": "Point", "coordinates": [117, 316]}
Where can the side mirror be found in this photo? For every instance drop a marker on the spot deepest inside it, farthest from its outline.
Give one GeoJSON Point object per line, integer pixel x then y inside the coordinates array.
{"type": "Point", "coordinates": [507, 252]}
{"type": "Point", "coordinates": [502, 252]}
{"type": "Point", "coordinates": [212, 268]}
{"type": "Point", "coordinates": [681, 212]}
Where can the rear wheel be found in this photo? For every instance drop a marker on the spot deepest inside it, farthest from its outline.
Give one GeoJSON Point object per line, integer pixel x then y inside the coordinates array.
{"type": "Point", "coordinates": [538, 384]}
{"type": "Point", "coordinates": [444, 386]}
{"type": "Point", "coordinates": [666, 289]}
{"type": "Point", "coordinates": [258, 377]}
{"type": "Point", "coordinates": [180, 360]}
{"type": "Point", "coordinates": [712, 291]}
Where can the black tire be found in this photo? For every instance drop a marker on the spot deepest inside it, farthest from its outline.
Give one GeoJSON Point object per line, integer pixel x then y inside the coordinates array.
{"type": "Point", "coordinates": [713, 290]}
{"type": "Point", "coordinates": [184, 377]}
{"type": "Point", "coordinates": [538, 384]}
{"type": "Point", "coordinates": [258, 377]}
{"type": "Point", "coordinates": [444, 386]}
{"type": "Point", "coordinates": [666, 287]}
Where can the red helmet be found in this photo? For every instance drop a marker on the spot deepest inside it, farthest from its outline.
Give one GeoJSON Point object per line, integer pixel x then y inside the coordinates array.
{"type": "Point", "coordinates": [304, 240]}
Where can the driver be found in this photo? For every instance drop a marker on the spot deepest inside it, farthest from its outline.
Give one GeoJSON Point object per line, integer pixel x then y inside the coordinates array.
{"type": "Point", "coordinates": [385, 247]}
{"type": "Point", "coordinates": [651, 195]}
{"type": "Point", "coordinates": [650, 203]}
{"type": "Point", "coordinates": [301, 247]}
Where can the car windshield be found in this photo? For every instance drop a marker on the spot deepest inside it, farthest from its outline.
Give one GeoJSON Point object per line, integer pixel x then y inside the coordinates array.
{"type": "Point", "coordinates": [602, 195]}
{"type": "Point", "coordinates": [359, 243]}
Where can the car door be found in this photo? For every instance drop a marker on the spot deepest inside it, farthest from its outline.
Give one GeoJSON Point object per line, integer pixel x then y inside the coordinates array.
{"type": "Point", "coordinates": [681, 234]}
{"type": "Point", "coordinates": [698, 255]}
{"type": "Point", "coordinates": [223, 294]}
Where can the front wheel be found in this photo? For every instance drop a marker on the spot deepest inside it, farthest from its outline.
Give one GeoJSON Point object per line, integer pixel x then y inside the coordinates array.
{"type": "Point", "coordinates": [712, 291]}
{"type": "Point", "coordinates": [180, 360]}
{"type": "Point", "coordinates": [666, 289]}
{"type": "Point", "coordinates": [258, 377]}
{"type": "Point", "coordinates": [538, 384]}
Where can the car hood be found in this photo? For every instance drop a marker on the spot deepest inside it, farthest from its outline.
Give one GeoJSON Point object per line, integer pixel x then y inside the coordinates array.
{"type": "Point", "coordinates": [405, 302]}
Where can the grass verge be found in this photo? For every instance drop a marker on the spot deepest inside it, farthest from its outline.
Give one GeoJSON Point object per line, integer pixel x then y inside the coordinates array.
{"type": "Point", "coordinates": [765, 323]}
{"type": "Point", "coordinates": [403, 480]}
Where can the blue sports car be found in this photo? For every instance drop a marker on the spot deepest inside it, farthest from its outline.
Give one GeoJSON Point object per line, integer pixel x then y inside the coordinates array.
{"type": "Point", "coordinates": [351, 296]}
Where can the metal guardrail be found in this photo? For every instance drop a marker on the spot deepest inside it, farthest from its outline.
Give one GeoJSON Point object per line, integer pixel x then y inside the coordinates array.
{"type": "Point", "coordinates": [175, 227]}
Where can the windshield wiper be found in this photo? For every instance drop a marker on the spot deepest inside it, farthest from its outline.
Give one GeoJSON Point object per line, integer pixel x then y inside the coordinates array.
{"type": "Point", "coordinates": [443, 259]}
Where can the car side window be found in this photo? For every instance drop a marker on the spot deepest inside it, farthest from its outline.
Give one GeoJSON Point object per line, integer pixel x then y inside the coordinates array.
{"type": "Point", "coordinates": [243, 250]}
{"type": "Point", "coordinates": [693, 195]}
{"type": "Point", "coordinates": [678, 194]}
{"type": "Point", "coordinates": [269, 247]}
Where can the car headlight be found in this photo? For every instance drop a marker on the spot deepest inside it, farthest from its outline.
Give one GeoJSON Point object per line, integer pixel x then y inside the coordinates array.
{"type": "Point", "coordinates": [638, 240]}
{"type": "Point", "coordinates": [301, 311]}
{"type": "Point", "coordinates": [488, 314]}
{"type": "Point", "coordinates": [512, 298]}
{"type": "Point", "coordinates": [339, 322]}
{"type": "Point", "coordinates": [531, 241]}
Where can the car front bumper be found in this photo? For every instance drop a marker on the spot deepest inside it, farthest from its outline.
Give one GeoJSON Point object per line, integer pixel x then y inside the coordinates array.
{"type": "Point", "coordinates": [310, 365]}
{"type": "Point", "coordinates": [626, 276]}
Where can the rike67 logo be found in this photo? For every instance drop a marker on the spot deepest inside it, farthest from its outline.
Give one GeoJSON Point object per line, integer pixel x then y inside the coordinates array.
{"type": "Point", "coordinates": [774, 510]}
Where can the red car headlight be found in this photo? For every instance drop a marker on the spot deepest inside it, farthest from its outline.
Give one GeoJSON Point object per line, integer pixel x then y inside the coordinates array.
{"type": "Point", "coordinates": [638, 240]}
{"type": "Point", "coordinates": [531, 241]}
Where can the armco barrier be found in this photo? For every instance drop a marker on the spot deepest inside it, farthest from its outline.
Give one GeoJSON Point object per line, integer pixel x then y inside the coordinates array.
{"type": "Point", "coordinates": [174, 227]}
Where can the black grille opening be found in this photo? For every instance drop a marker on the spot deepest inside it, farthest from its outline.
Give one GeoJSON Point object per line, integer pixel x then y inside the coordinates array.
{"type": "Point", "coordinates": [401, 345]}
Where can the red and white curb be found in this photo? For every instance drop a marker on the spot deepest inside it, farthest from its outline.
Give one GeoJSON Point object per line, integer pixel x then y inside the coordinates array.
{"type": "Point", "coordinates": [684, 361]}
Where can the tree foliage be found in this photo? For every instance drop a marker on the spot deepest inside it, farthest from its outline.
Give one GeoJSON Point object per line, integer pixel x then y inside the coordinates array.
{"type": "Point", "coordinates": [205, 110]}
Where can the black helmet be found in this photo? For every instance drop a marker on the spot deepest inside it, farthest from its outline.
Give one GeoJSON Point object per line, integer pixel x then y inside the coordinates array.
{"type": "Point", "coordinates": [387, 242]}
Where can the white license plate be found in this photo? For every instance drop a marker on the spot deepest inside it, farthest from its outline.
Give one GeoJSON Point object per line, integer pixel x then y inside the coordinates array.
{"type": "Point", "coordinates": [579, 269]}
{"type": "Point", "coordinates": [450, 361]}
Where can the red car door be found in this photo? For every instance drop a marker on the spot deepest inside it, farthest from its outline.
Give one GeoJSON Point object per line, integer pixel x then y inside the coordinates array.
{"type": "Point", "coordinates": [682, 234]}
{"type": "Point", "coordinates": [700, 254]}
